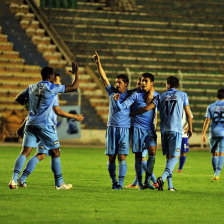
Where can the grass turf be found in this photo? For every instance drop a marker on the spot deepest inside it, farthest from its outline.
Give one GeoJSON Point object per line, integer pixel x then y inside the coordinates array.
{"type": "Point", "coordinates": [198, 199]}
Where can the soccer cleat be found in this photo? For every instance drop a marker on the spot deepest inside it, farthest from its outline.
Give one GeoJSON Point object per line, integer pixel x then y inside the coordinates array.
{"type": "Point", "coordinates": [148, 185]}
{"type": "Point", "coordinates": [216, 178]}
{"type": "Point", "coordinates": [13, 184]}
{"type": "Point", "coordinates": [160, 183]}
{"type": "Point", "coordinates": [179, 171]}
{"type": "Point", "coordinates": [22, 183]}
{"type": "Point", "coordinates": [64, 187]}
{"type": "Point", "coordinates": [131, 186]}
{"type": "Point", "coordinates": [156, 185]}
{"type": "Point", "coordinates": [172, 189]}
{"type": "Point", "coordinates": [141, 187]}
{"type": "Point", "coordinates": [116, 186]}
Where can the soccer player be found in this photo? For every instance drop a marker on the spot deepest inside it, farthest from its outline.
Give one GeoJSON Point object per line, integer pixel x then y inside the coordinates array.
{"type": "Point", "coordinates": [39, 129]}
{"type": "Point", "coordinates": [171, 105]}
{"type": "Point", "coordinates": [144, 133]}
{"type": "Point", "coordinates": [184, 143]}
{"type": "Point", "coordinates": [41, 154]}
{"type": "Point", "coordinates": [215, 118]}
{"type": "Point", "coordinates": [119, 122]}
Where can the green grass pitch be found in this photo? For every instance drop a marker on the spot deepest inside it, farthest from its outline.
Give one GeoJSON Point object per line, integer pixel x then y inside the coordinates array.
{"type": "Point", "coordinates": [198, 199]}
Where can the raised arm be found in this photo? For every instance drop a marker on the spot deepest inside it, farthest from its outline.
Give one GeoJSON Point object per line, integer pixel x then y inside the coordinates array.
{"type": "Point", "coordinates": [75, 84]}
{"type": "Point", "coordinates": [189, 120]}
{"type": "Point", "coordinates": [60, 112]}
{"type": "Point", "coordinates": [101, 72]}
{"type": "Point", "coordinates": [205, 127]}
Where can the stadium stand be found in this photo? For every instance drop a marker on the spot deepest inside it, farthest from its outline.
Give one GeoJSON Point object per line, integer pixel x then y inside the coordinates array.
{"type": "Point", "coordinates": [162, 37]}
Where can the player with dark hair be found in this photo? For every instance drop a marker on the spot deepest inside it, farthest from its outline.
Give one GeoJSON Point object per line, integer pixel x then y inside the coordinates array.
{"type": "Point", "coordinates": [171, 105]}
{"type": "Point", "coordinates": [144, 133]}
{"type": "Point", "coordinates": [41, 153]}
{"type": "Point", "coordinates": [145, 151]}
{"type": "Point", "coordinates": [39, 129]}
{"type": "Point", "coordinates": [215, 118]}
{"type": "Point", "coordinates": [117, 135]}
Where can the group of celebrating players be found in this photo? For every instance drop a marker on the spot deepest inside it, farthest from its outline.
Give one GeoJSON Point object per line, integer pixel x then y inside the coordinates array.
{"type": "Point", "coordinates": [132, 119]}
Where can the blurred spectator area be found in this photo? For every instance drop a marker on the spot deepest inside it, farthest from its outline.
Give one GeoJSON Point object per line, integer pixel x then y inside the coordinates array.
{"type": "Point", "coordinates": [164, 37]}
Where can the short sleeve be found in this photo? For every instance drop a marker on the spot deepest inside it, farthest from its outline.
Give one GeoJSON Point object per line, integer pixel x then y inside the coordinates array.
{"type": "Point", "coordinates": [186, 101]}
{"type": "Point", "coordinates": [56, 88]}
{"type": "Point", "coordinates": [56, 103]}
{"type": "Point", "coordinates": [110, 89]}
{"type": "Point", "coordinates": [208, 113]}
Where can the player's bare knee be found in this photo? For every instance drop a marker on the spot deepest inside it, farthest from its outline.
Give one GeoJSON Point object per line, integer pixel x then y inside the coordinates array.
{"type": "Point", "coordinates": [26, 151]}
{"type": "Point", "coordinates": [111, 158]}
{"type": "Point", "coordinates": [55, 153]}
{"type": "Point", "coordinates": [121, 157]}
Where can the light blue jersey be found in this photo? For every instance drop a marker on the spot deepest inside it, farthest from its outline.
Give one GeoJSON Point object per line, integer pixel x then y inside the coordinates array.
{"type": "Point", "coordinates": [41, 101]}
{"type": "Point", "coordinates": [136, 100]}
{"type": "Point", "coordinates": [171, 105]}
{"type": "Point", "coordinates": [215, 112]}
{"type": "Point", "coordinates": [54, 115]}
{"type": "Point", "coordinates": [117, 118]}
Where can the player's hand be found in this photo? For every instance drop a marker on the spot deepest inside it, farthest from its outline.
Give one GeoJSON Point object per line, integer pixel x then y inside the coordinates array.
{"type": "Point", "coordinates": [96, 57]}
{"type": "Point", "coordinates": [203, 138]}
{"type": "Point", "coordinates": [74, 68]}
{"type": "Point", "coordinates": [79, 117]}
{"type": "Point", "coordinates": [116, 96]}
{"type": "Point", "coordinates": [189, 133]}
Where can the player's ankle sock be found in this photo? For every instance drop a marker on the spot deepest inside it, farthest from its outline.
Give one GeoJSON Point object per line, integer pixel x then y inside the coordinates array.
{"type": "Point", "coordinates": [144, 166]}
{"type": "Point", "coordinates": [122, 172]}
{"type": "Point", "coordinates": [170, 167]}
{"type": "Point", "coordinates": [30, 166]}
{"type": "Point", "coordinates": [135, 182]}
{"type": "Point", "coordinates": [19, 163]}
{"type": "Point", "coordinates": [166, 171]}
{"type": "Point", "coordinates": [150, 167]}
{"type": "Point", "coordinates": [138, 167]}
{"type": "Point", "coordinates": [112, 171]}
{"type": "Point", "coordinates": [153, 178]}
{"type": "Point", "coordinates": [182, 161]}
{"type": "Point", "coordinates": [214, 162]}
{"type": "Point", "coordinates": [219, 166]}
{"type": "Point", "coordinates": [172, 163]}
{"type": "Point", "coordinates": [169, 180]}
{"type": "Point", "coordinates": [56, 168]}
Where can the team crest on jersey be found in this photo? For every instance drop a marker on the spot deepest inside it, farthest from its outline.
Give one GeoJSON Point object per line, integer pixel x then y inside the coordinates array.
{"type": "Point", "coordinates": [178, 150]}
{"type": "Point", "coordinates": [41, 147]}
{"type": "Point", "coordinates": [55, 142]}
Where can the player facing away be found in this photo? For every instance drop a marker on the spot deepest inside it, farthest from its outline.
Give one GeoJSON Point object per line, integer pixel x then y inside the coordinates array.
{"type": "Point", "coordinates": [39, 130]}
{"type": "Point", "coordinates": [119, 122]}
{"type": "Point", "coordinates": [42, 153]}
{"type": "Point", "coordinates": [215, 118]}
{"type": "Point", "coordinates": [171, 105]}
{"type": "Point", "coordinates": [143, 129]}
{"type": "Point", "coordinates": [184, 143]}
